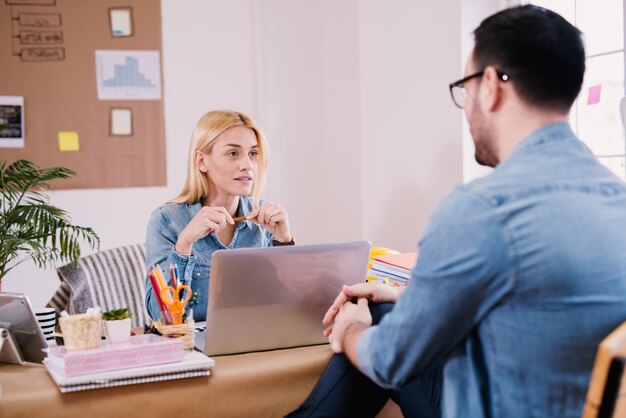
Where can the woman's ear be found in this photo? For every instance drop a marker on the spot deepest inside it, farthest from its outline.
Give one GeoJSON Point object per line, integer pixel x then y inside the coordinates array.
{"type": "Point", "coordinates": [198, 157]}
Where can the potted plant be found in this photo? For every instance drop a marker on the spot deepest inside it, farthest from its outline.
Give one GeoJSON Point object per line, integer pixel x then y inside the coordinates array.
{"type": "Point", "coordinates": [117, 325]}
{"type": "Point", "coordinates": [30, 227]}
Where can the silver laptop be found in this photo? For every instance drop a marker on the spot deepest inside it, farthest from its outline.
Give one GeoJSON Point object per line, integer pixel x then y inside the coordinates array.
{"type": "Point", "coordinates": [270, 298]}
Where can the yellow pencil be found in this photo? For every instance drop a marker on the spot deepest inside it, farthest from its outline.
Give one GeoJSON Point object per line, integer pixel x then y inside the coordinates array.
{"type": "Point", "coordinates": [159, 275]}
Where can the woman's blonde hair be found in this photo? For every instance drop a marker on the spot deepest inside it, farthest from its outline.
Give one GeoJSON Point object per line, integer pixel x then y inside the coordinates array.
{"type": "Point", "coordinates": [207, 131]}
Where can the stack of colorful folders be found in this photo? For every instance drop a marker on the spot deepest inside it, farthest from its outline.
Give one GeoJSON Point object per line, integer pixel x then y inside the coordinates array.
{"type": "Point", "coordinates": [144, 358]}
{"type": "Point", "coordinates": [392, 269]}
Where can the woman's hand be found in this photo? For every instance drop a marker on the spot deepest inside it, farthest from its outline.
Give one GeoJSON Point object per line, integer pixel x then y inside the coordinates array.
{"type": "Point", "coordinates": [209, 220]}
{"type": "Point", "coordinates": [374, 291]}
{"type": "Point", "coordinates": [272, 217]}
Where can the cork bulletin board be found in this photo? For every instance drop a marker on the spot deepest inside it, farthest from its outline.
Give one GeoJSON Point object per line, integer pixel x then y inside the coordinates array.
{"type": "Point", "coordinates": [89, 76]}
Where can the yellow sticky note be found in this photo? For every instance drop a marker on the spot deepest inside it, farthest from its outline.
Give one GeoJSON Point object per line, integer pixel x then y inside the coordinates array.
{"type": "Point", "coordinates": [68, 141]}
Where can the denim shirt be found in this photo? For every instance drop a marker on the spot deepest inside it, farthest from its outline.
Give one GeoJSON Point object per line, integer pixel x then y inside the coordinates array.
{"type": "Point", "coordinates": [520, 275]}
{"type": "Point", "coordinates": [166, 223]}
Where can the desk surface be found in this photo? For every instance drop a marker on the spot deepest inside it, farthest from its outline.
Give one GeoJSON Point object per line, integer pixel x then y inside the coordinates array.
{"type": "Point", "coordinates": [266, 384]}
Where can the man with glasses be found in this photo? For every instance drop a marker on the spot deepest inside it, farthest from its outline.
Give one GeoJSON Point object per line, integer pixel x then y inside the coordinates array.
{"type": "Point", "coordinates": [520, 273]}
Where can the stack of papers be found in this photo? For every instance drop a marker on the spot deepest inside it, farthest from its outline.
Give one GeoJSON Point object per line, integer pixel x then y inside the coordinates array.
{"type": "Point", "coordinates": [393, 269]}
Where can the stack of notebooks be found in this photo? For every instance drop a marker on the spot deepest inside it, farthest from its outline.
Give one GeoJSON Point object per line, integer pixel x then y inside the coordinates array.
{"type": "Point", "coordinates": [144, 358]}
{"type": "Point", "coordinates": [393, 269]}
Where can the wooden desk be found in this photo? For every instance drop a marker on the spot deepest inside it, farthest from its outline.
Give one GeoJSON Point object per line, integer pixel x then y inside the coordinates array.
{"type": "Point", "coordinates": [267, 384]}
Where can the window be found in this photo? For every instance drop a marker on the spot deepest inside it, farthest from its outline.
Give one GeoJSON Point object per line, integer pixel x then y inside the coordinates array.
{"type": "Point", "coordinates": [596, 114]}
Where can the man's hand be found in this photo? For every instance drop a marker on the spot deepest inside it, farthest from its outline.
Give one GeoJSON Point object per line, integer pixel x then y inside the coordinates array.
{"type": "Point", "coordinates": [351, 320]}
{"type": "Point", "coordinates": [374, 291]}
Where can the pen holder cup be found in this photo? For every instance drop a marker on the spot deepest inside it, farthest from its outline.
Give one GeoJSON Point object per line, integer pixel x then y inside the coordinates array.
{"type": "Point", "coordinates": [81, 331]}
{"type": "Point", "coordinates": [184, 331]}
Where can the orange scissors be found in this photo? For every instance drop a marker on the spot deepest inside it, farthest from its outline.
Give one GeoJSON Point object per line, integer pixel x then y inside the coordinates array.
{"type": "Point", "coordinates": [173, 302]}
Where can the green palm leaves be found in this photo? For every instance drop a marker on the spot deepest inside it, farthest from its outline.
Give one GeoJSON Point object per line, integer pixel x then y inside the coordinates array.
{"type": "Point", "coordinates": [31, 228]}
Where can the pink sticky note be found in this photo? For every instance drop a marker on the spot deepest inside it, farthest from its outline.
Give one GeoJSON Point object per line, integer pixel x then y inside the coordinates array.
{"type": "Point", "coordinates": [594, 94]}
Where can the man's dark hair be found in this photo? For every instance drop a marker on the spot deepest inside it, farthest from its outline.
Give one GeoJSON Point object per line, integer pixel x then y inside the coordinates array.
{"type": "Point", "coordinates": [542, 53]}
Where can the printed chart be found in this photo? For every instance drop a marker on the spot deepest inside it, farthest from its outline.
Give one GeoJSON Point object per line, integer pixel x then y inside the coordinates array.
{"type": "Point", "coordinates": [128, 75]}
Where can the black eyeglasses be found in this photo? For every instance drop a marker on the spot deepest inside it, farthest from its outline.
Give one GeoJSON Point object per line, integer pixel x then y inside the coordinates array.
{"type": "Point", "coordinates": [458, 92]}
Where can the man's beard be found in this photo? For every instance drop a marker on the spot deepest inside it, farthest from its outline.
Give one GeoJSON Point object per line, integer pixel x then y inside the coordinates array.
{"type": "Point", "coordinates": [485, 153]}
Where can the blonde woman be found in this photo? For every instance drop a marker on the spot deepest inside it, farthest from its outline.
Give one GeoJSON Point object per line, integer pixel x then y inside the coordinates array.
{"type": "Point", "coordinates": [228, 159]}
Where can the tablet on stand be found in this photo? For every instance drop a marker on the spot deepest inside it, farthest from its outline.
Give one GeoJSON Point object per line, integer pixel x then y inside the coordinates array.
{"type": "Point", "coordinates": [20, 334]}
{"type": "Point", "coordinates": [9, 353]}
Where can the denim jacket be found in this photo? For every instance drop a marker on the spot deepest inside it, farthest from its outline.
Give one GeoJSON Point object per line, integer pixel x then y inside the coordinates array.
{"type": "Point", "coordinates": [520, 275]}
{"type": "Point", "coordinates": [167, 222]}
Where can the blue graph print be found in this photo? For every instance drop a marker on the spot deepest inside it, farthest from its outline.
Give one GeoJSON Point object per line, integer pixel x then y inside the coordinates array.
{"type": "Point", "coordinates": [128, 75]}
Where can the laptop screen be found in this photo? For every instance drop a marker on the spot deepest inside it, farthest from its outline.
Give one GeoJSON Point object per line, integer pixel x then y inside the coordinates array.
{"type": "Point", "coordinates": [269, 298]}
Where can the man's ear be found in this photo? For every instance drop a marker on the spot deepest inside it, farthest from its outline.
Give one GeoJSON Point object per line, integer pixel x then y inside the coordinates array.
{"type": "Point", "coordinates": [491, 89]}
{"type": "Point", "coordinates": [198, 157]}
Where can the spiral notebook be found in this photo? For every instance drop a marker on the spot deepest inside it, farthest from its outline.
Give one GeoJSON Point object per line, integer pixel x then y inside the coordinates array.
{"type": "Point", "coordinates": [193, 364]}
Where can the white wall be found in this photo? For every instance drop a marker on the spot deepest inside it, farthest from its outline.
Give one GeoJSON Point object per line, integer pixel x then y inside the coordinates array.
{"type": "Point", "coordinates": [310, 109]}
{"type": "Point", "coordinates": [410, 52]}
{"type": "Point", "coordinates": [352, 96]}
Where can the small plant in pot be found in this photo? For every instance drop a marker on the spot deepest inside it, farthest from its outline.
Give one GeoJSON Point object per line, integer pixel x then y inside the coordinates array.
{"type": "Point", "coordinates": [117, 325]}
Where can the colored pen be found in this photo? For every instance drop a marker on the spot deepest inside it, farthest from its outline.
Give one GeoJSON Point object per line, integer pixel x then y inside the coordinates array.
{"type": "Point", "coordinates": [173, 276]}
{"type": "Point", "coordinates": [158, 272]}
{"type": "Point", "coordinates": [157, 291]}
{"type": "Point", "coordinates": [176, 272]}
{"type": "Point", "coordinates": [179, 281]}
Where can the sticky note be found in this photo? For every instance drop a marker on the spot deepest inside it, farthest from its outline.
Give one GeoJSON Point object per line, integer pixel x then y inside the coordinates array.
{"type": "Point", "coordinates": [68, 141]}
{"type": "Point", "coordinates": [594, 94]}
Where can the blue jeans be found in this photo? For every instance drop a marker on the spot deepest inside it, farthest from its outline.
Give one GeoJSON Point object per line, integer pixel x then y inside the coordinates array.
{"type": "Point", "coordinates": [343, 391]}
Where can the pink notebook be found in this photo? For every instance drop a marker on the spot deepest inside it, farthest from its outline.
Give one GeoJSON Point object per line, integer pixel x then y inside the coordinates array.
{"type": "Point", "coordinates": [140, 350]}
{"type": "Point", "coordinates": [404, 261]}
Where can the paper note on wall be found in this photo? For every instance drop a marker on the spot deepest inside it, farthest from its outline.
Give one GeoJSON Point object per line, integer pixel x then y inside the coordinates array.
{"type": "Point", "coordinates": [121, 21]}
{"type": "Point", "coordinates": [121, 122]}
{"type": "Point", "coordinates": [68, 141]}
{"type": "Point", "coordinates": [594, 94]}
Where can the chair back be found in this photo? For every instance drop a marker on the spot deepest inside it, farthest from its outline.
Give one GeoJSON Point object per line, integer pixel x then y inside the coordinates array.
{"type": "Point", "coordinates": [606, 395]}
{"type": "Point", "coordinates": [111, 279]}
